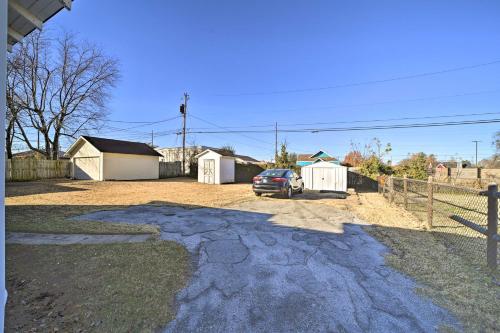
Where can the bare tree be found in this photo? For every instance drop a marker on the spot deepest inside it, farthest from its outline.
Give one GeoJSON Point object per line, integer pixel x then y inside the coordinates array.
{"type": "Point", "coordinates": [13, 109]}
{"type": "Point", "coordinates": [63, 90]}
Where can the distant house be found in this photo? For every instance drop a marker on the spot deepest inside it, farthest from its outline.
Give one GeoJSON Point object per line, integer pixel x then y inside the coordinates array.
{"type": "Point", "coordinates": [108, 159]}
{"type": "Point", "coordinates": [174, 154]}
{"type": "Point", "coordinates": [31, 154]}
{"type": "Point", "coordinates": [244, 159]}
{"type": "Point", "coordinates": [320, 156]}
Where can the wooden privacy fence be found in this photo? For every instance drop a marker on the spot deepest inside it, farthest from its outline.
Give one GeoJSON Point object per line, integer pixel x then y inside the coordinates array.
{"type": "Point", "coordinates": [33, 169]}
{"type": "Point", "coordinates": [360, 182]}
{"type": "Point", "coordinates": [170, 169]}
{"type": "Point", "coordinates": [466, 218]}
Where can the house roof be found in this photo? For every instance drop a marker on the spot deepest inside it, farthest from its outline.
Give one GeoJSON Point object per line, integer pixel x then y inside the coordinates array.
{"type": "Point", "coordinates": [117, 146]}
{"type": "Point", "coordinates": [312, 158]}
{"type": "Point", "coordinates": [246, 158]}
{"type": "Point", "coordinates": [323, 164]}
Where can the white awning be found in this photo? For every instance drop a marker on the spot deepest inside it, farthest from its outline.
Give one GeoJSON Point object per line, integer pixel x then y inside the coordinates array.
{"type": "Point", "coordinates": [24, 16]}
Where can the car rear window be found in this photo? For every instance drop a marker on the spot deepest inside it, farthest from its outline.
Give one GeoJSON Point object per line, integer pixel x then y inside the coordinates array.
{"type": "Point", "coordinates": [273, 173]}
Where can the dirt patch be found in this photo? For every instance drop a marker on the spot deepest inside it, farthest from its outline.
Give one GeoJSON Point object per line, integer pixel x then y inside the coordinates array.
{"type": "Point", "coordinates": [45, 206]}
{"type": "Point", "coordinates": [110, 193]}
{"type": "Point", "coordinates": [469, 290]}
{"type": "Point", "coordinates": [99, 288]}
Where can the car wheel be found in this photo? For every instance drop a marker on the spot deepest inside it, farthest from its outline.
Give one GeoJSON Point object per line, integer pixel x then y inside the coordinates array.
{"type": "Point", "coordinates": [301, 190]}
{"type": "Point", "coordinates": [289, 192]}
{"type": "Point", "coordinates": [258, 194]}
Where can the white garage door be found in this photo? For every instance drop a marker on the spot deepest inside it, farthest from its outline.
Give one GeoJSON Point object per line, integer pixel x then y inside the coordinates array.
{"type": "Point", "coordinates": [86, 168]}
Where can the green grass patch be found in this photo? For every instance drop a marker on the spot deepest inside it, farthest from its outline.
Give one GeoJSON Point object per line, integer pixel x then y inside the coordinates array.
{"type": "Point", "coordinates": [55, 219]}
{"type": "Point", "coordinates": [123, 287]}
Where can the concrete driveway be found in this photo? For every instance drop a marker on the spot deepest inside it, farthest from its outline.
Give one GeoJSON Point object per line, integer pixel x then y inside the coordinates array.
{"type": "Point", "coordinates": [275, 265]}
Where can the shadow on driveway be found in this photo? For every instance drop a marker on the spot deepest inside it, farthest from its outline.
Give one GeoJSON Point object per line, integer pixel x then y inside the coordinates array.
{"type": "Point", "coordinates": [282, 266]}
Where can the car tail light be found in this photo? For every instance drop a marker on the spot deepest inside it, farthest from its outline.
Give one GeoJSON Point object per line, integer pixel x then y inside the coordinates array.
{"type": "Point", "coordinates": [279, 180]}
{"type": "Point", "coordinates": [256, 178]}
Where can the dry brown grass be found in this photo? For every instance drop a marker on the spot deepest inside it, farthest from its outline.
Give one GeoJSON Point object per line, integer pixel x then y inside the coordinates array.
{"type": "Point", "coordinates": [465, 287]}
{"type": "Point", "coordinates": [45, 206]}
{"type": "Point", "coordinates": [94, 288]}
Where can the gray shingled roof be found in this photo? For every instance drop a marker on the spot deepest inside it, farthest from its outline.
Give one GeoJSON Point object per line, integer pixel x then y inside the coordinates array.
{"type": "Point", "coordinates": [121, 147]}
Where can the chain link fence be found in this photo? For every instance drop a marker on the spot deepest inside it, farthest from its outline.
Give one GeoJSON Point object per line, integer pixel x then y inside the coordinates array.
{"type": "Point", "coordinates": [457, 215]}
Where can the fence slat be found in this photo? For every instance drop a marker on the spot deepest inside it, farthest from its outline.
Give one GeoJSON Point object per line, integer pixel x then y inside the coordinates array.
{"type": "Point", "coordinates": [170, 169]}
{"type": "Point", "coordinates": [391, 189]}
{"type": "Point", "coordinates": [405, 191]}
{"type": "Point", "coordinates": [491, 242]}
{"type": "Point", "coordinates": [32, 169]}
{"type": "Point", "coordinates": [430, 192]}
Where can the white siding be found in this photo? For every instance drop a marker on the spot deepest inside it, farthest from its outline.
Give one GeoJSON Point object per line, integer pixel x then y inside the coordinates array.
{"type": "Point", "coordinates": [226, 170]}
{"type": "Point", "coordinates": [325, 176]}
{"type": "Point", "coordinates": [130, 167]}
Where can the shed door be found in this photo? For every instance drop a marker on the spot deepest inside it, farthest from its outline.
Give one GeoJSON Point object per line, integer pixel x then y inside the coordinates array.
{"type": "Point", "coordinates": [329, 179]}
{"type": "Point", "coordinates": [318, 179]}
{"type": "Point", "coordinates": [86, 168]}
{"type": "Point", "coordinates": [209, 171]}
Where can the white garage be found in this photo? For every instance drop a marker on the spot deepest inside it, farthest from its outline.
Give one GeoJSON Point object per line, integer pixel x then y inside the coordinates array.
{"type": "Point", "coordinates": [216, 166]}
{"type": "Point", "coordinates": [108, 159]}
{"type": "Point", "coordinates": [325, 176]}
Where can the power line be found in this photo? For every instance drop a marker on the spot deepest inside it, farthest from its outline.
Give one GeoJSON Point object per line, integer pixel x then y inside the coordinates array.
{"type": "Point", "coordinates": [418, 99]}
{"type": "Point", "coordinates": [358, 121]}
{"type": "Point", "coordinates": [141, 122]}
{"type": "Point", "coordinates": [394, 119]}
{"type": "Point", "coordinates": [117, 129]}
{"type": "Point", "coordinates": [361, 83]}
{"type": "Point", "coordinates": [225, 128]}
{"type": "Point", "coordinates": [361, 128]}
{"type": "Point", "coordinates": [215, 125]}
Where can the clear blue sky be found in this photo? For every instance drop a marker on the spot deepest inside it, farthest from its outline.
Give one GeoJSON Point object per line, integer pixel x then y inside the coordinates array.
{"type": "Point", "coordinates": [213, 49]}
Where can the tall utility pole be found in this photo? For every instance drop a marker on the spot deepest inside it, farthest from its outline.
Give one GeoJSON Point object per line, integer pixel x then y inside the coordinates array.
{"type": "Point", "coordinates": [152, 138]}
{"type": "Point", "coordinates": [476, 142]}
{"type": "Point", "coordinates": [276, 142]}
{"type": "Point", "coordinates": [184, 112]}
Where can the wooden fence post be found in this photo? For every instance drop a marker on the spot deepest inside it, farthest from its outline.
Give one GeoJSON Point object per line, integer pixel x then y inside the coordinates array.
{"type": "Point", "coordinates": [430, 195]}
{"type": "Point", "coordinates": [491, 245]}
{"type": "Point", "coordinates": [391, 189]}
{"type": "Point", "coordinates": [405, 191]}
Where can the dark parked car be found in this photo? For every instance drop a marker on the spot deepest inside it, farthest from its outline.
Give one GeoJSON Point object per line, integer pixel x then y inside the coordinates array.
{"type": "Point", "coordinates": [282, 181]}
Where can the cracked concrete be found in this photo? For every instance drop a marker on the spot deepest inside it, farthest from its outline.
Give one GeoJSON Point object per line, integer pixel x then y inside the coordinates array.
{"type": "Point", "coordinates": [285, 265]}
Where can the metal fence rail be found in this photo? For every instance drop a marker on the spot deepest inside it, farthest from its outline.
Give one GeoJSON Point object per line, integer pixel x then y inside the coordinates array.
{"type": "Point", "coordinates": [466, 219]}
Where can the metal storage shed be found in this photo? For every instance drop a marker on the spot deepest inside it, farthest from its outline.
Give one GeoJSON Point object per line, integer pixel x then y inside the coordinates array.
{"type": "Point", "coordinates": [107, 159]}
{"type": "Point", "coordinates": [325, 176]}
{"type": "Point", "coordinates": [215, 166]}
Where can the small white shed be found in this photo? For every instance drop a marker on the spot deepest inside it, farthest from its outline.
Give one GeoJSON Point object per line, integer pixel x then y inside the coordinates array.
{"type": "Point", "coordinates": [108, 159]}
{"type": "Point", "coordinates": [325, 176]}
{"type": "Point", "coordinates": [215, 166]}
